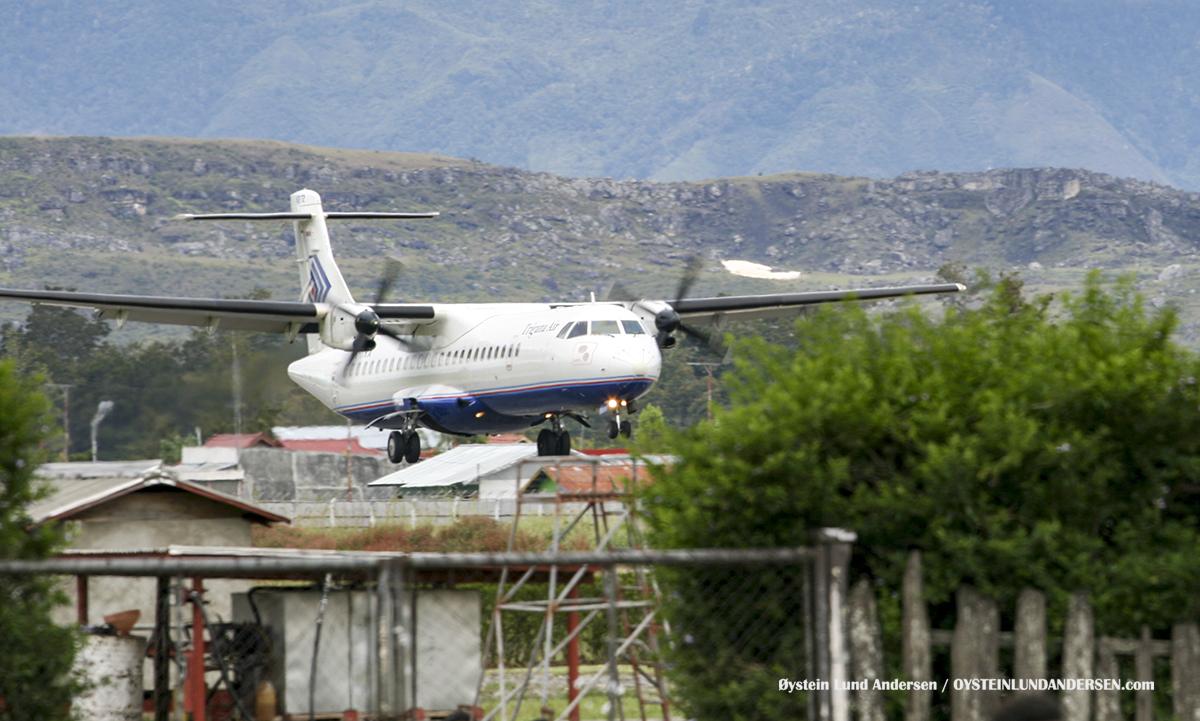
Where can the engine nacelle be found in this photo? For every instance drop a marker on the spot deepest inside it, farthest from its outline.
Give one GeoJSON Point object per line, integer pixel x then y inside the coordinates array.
{"type": "Point", "coordinates": [346, 322]}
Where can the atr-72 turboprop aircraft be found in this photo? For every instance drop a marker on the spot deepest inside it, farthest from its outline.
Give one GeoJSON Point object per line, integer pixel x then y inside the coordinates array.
{"type": "Point", "coordinates": [460, 368]}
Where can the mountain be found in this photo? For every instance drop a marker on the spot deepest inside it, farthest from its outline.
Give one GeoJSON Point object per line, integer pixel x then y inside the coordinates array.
{"type": "Point", "coordinates": [93, 213]}
{"type": "Point", "coordinates": [688, 90]}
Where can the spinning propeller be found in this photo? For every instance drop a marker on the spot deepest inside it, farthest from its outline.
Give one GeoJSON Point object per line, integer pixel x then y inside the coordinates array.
{"type": "Point", "coordinates": [668, 320]}
{"type": "Point", "coordinates": [366, 321]}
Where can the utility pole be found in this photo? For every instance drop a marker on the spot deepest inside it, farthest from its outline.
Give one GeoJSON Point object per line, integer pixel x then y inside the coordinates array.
{"type": "Point", "coordinates": [708, 367]}
{"type": "Point", "coordinates": [66, 389]}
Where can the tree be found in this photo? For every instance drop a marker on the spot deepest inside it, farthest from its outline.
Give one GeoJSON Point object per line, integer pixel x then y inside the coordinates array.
{"type": "Point", "coordinates": [35, 655]}
{"type": "Point", "coordinates": [1053, 445]}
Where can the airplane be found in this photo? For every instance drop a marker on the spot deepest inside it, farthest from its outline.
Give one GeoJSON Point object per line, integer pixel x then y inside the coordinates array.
{"type": "Point", "coordinates": [458, 368]}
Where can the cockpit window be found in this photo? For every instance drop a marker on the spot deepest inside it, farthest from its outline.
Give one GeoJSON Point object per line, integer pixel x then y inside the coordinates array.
{"type": "Point", "coordinates": [563, 333]}
{"type": "Point", "coordinates": [605, 327]}
{"type": "Point", "coordinates": [578, 329]}
{"type": "Point", "coordinates": [632, 327]}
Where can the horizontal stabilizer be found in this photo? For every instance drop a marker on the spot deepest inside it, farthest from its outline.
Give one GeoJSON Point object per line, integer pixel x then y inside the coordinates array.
{"type": "Point", "coordinates": [305, 216]}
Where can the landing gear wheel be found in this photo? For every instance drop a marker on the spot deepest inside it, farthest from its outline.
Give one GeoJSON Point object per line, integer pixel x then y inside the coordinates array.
{"type": "Point", "coordinates": [547, 443]}
{"type": "Point", "coordinates": [412, 448]}
{"type": "Point", "coordinates": [395, 447]}
{"type": "Point", "coordinates": [563, 444]}
{"type": "Point", "coordinates": [613, 428]}
{"type": "Point", "coordinates": [626, 429]}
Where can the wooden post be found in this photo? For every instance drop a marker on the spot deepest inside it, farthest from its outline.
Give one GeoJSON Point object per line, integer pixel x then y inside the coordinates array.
{"type": "Point", "coordinates": [974, 653]}
{"type": "Point", "coordinates": [918, 658]}
{"type": "Point", "coordinates": [1029, 654]}
{"type": "Point", "coordinates": [866, 650]}
{"type": "Point", "coordinates": [829, 573]}
{"type": "Point", "coordinates": [1143, 662]}
{"type": "Point", "coordinates": [1108, 701]}
{"type": "Point", "coordinates": [81, 599]}
{"type": "Point", "coordinates": [1079, 651]}
{"type": "Point", "coordinates": [1185, 671]}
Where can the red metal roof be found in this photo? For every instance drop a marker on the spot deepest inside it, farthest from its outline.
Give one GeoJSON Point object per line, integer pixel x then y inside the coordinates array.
{"type": "Point", "coordinates": [245, 440]}
{"type": "Point", "coordinates": [594, 479]}
{"type": "Point", "coordinates": [507, 438]}
{"type": "Point", "coordinates": [330, 445]}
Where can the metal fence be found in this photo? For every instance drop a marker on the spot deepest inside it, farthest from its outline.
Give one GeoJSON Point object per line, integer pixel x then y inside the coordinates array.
{"type": "Point", "coordinates": [608, 634]}
{"type": "Point", "coordinates": [402, 512]}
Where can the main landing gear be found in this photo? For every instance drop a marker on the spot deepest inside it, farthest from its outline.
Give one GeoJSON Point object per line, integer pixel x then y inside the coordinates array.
{"type": "Point", "coordinates": [405, 444]}
{"type": "Point", "coordinates": [554, 441]}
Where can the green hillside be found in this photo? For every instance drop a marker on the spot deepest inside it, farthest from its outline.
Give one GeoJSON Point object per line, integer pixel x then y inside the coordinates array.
{"type": "Point", "coordinates": [93, 213]}
{"type": "Point", "coordinates": [691, 90]}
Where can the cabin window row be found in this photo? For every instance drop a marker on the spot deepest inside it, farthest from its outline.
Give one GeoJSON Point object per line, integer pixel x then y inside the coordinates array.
{"type": "Point", "coordinates": [434, 360]}
{"type": "Point", "coordinates": [601, 327]}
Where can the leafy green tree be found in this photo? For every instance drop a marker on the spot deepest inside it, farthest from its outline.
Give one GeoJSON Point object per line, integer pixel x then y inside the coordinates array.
{"type": "Point", "coordinates": [35, 654]}
{"type": "Point", "coordinates": [1019, 444]}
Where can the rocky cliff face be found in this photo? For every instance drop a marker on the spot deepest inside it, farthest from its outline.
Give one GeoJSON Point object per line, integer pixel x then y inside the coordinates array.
{"type": "Point", "coordinates": [68, 205]}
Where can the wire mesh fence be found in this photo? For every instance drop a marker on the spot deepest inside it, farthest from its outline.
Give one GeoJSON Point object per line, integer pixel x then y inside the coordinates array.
{"type": "Point", "coordinates": [580, 635]}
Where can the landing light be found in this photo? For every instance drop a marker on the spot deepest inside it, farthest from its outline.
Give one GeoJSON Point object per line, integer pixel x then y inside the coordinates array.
{"type": "Point", "coordinates": [612, 403]}
{"type": "Point", "coordinates": [479, 414]}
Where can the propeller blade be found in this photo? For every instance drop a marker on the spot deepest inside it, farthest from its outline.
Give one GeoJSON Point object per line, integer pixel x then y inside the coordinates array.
{"type": "Point", "coordinates": [711, 344]}
{"type": "Point", "coordinates": [394, 335]}
{"type": "Point", "coordinates": [391, 271]}
{"type": "Point", "coordinates": [691, 272]}
{"type": "Point", "coordinates": [621, 294]}
{"type": "Point", "coordinates": [361, 343]}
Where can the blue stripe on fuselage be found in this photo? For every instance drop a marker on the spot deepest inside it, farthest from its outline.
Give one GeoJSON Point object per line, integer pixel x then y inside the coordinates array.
{"type": "Point", "coordinates": [509, 409]}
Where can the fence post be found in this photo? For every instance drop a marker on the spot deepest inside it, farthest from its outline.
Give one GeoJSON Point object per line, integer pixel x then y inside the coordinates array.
{"type": "Point", "coordinates": [393, 642]}
{"type": "Point", "coordinates": [1108, 701]}
{"type": "Point", "coordinates": [1079, 651]}
{"type": "Point", "coordinates": [162, 650]}
{"type": "Point", "coordinates": [866, 650]}
{"type": "Point", "coordinates": [830, 579]}
{"type": "Point", "coordinates": [1185, 671]}
{"type": "Point", "coordinates": [1029, 654]}
{"type": "Point", "coordinates": [974, 653]}
{"type": "Point", "coordinates": [918, 659]}
{"type": "Point", "coordinates": [1143, 662]}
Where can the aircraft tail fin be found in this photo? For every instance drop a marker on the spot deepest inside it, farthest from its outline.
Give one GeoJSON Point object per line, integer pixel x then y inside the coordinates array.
{"type": "Point", "coordinates": [321, 280]}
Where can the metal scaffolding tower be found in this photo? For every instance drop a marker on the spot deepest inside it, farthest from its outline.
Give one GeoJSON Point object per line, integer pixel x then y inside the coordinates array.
{"type": "Point", "coordinates": [628, 603]}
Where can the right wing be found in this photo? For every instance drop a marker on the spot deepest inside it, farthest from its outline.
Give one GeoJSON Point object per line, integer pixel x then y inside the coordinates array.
{"type": "Point", "coordinates": [751, 307]}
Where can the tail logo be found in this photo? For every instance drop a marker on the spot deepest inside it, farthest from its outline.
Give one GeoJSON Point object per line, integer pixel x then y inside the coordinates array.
{"type": "Point", "coordinates": [318, 282]}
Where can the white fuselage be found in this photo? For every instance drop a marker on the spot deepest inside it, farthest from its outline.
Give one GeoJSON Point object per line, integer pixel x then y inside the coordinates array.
{"type": "Point", "coordinates": [491, 368]}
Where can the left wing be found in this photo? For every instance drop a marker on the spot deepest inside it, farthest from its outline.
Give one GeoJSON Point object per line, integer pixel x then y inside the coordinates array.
{"type": "Point", "coordinates": [270, 316]}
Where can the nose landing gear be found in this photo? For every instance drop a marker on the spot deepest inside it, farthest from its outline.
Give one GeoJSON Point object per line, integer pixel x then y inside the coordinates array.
{"type": "Point", "coordinates": [617, 427]}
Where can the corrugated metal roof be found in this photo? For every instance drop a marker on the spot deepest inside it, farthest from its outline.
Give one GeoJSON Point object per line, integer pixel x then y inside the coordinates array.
{"type": "Point", "coordinates": [463, 465]}
{"type": "Point", "coordinates": [70, 496]}
{"type": "Point", "coordinates": [98, 469]}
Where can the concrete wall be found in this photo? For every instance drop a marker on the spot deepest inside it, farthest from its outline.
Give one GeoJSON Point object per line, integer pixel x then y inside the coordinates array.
{"type": "Point", "coordinates": [151, 519]}
{"type": "Point", "coordinates": [274, 474]}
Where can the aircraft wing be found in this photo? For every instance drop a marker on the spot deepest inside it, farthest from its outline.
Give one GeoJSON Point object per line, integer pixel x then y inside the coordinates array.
{"type": "Point", "coordinates": [750, 307]}
{"type": "Point", "coordinates": [270, 316]}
